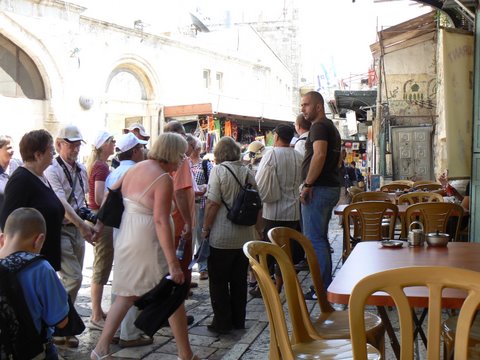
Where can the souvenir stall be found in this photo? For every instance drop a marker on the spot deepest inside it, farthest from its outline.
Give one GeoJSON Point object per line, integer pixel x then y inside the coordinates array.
{"type": "Point", "coordinates": [210, 128]}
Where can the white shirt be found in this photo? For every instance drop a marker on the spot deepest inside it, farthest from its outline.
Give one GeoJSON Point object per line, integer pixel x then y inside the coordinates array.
{"type": "Point", "coordinates": [288, 165]}
{"type": "Point", "coordinates": [300, 144]}
{"type": "Point", "coordinates": [61, 186]}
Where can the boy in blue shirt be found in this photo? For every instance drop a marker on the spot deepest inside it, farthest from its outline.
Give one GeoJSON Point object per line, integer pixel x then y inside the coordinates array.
{"type": "Point", "coordinates": [22, 239]}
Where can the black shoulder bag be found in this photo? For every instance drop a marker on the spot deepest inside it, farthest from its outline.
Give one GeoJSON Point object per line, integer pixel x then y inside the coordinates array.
{"type": "Point", "coordinates": [247, 204]}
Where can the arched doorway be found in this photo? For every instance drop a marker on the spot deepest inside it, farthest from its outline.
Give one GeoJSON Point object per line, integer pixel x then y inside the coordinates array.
{"type": "Point", "coordinates": [130, 97]}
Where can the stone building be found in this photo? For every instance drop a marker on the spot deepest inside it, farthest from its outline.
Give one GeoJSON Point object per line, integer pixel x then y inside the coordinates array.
{"type": "Point", "coordinates": [60, 66]}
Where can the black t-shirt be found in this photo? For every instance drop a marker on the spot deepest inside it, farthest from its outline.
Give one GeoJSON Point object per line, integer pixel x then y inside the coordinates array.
{"type": "Point", "coordinates": [324, 130]}
{"type": "Point", "coordinates": [24, 189]}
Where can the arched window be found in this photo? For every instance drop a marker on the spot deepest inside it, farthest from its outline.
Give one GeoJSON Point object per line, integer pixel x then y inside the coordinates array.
{"type": "Point", "coordinates": [19, 76]}
{"type": "Point", "coordinates": [125, 84]}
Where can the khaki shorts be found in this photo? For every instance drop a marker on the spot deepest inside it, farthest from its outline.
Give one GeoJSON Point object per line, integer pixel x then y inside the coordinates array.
{"type": "Point", "coordinates": [103, 256]}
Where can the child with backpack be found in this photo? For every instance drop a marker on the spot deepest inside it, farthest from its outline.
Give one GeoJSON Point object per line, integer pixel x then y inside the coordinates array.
{"type": "Point", "coordinates": [32, 298]}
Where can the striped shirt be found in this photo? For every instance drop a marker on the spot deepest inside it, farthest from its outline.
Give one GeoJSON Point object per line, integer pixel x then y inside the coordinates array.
{"type": "Point", "coordinates": [288, 165]}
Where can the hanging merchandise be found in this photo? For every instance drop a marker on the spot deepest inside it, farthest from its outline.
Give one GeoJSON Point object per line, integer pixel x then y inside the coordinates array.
{"type": "Point", "coordinates": [217, 124]}
{"type": "Point", "coordinates": [203, 123]}
{"type": "Point", "coordinates": [269, 138]}
{"type": "Point", "coordinates": [235, 130]}
{"type": "Point", "coordinates": [228, 128]}
{"type": "Point", "coordinates": [211, 123]}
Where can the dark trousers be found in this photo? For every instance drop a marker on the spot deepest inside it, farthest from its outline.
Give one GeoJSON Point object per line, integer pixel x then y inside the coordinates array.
{"type": "Point", "coordinates": [227, 270]}
{"type": "Point", "coordinates": [297, 250]}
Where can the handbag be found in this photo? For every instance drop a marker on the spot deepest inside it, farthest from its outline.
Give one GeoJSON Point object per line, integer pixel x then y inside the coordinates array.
{"type": "Point", "coordinates": [75, 325]}
{"type": "Point", "coordinates": [110, 213]}
{"type": "Point", "coordinates": [267, 182]}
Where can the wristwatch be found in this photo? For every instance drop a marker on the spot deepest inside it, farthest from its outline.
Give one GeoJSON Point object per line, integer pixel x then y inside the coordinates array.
{"type": "Point", "coordinates": [307, 185]}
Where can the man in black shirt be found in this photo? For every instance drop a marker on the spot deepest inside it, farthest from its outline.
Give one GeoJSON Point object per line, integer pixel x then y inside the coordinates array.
{"type": "Point", "coordinates": [320, 174]}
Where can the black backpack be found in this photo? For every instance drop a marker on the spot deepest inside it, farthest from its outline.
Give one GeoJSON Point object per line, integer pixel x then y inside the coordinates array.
{"type": "Point", "coordinates": [19, 338]}
{"type": "Point", "coordinates": [246, 205]}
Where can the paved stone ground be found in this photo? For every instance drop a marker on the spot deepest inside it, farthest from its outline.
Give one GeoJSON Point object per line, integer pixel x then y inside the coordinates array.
{"type": "Point", "coordinates": [249, 344]}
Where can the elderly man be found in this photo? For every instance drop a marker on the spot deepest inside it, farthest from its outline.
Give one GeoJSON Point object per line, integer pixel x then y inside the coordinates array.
{"type": "Point", "coordinates": [69, 181]}
{"type": "Point", "coordinates": [320, 173]}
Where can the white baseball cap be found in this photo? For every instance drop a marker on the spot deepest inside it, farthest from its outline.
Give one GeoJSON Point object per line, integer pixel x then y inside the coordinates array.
{"type": "Point", "coordinates": [128, 141]}
{"type": "Point", "coordinates": [101, 138]}
{"type": "Point", "coordinates": [70, 133]}
{"type": "Point", "coordinates": [140, 128]}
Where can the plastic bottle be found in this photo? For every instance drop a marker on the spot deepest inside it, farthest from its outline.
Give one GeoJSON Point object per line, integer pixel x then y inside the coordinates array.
{"type": "Point", "coordinates": [181, 248]}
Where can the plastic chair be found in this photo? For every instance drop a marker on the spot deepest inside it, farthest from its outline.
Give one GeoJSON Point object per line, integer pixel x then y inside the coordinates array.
{"type": "Point", "coordinates": [367, 218]}
{"type": "Point", "coordinates": [434, 216]}
{"type": "Point", "coordinates": [304, 342]}
{"type": "Point", "coordinates": [423, 182]}
{"type": "Point", "coordinates": [393, 187]}
{"type": "Point", "coordinates": [449, 328]}
{"type": "Point", "coordinates": [406, 182]}
{"type": "Point", "coordinates": [436, 278]}
{"type": "Point", "coordinates": [429, 187]}
{"type": "Point", "coordinates": [330, 324]}
{"type": "Point", "coordinates": [371, 196]}
{"type": "Point", "coordinates": [419, 197]}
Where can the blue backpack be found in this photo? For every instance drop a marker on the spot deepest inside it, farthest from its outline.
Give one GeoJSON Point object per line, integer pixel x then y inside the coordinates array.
{"type": "Point", "coordinates": [19, 338]}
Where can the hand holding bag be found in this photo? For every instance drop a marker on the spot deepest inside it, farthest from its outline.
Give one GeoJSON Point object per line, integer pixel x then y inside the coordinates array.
{"type": "Point", "coordinates": [110, 214]}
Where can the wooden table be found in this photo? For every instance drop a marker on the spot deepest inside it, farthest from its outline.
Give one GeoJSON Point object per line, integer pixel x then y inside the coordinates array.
{"type": "Point", "coordinates": [369, 257]}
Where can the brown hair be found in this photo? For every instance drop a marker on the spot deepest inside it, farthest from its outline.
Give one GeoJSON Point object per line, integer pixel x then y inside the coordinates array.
{"type": "Point", "coordinates": [33, 141]}
{"type": "Point", "coordinates": [226, 149]}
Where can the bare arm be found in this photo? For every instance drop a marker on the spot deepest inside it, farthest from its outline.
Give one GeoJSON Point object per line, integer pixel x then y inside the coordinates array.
{"type": "Point", "coordinates": [62, 323]}
{"type": "Point", "coordinates": [315, 169]}
{"type": "Point", "coordinates": [162, 203]}
{"type": "Point", "coordinates": [211, 210]}
{"type": "Point", "coordinates": [99, 192]}
{"type": "Point", "coordinates": [181, 199]}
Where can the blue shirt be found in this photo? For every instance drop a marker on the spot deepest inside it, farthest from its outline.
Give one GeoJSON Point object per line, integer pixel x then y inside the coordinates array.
{"type": "Point", "coordinates": [45, 295]}
{"type": "Point", "coordinates": [116, 174]}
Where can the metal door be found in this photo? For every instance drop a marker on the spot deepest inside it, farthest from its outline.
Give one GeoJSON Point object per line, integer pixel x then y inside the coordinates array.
{"type": "Point", "coordinates": [412, 152]}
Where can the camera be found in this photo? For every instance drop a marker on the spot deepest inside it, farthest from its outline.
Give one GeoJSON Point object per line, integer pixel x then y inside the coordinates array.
{"type": "Point", "coordinates": [87, 214]}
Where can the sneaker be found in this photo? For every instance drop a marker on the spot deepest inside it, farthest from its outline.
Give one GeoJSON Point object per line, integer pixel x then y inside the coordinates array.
{"type": "Point", "coordinates": [143, 340]}
{"type": "Point", "coordinates": [311, 295]}
{"type": "Point", "coordinates": [203, 275]}
{"type": "Point", "coordinates": [302, 265]}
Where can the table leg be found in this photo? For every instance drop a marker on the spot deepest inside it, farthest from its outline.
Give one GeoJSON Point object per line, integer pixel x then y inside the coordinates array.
{"type": "Point", "coordinates": [391, 333]}
{"type": "Point", "coordinates": [418, 325]}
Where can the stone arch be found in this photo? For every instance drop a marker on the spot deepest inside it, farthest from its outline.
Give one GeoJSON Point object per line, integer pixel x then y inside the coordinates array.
{"type": "Point", "coordinates": [141, 69]}
{"type": "Point", "coordinates": [37, 51]}
{"type": "Point", "coordinates": [148, 106]}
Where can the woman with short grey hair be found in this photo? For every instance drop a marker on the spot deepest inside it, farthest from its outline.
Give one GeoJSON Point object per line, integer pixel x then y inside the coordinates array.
{"type": "Point", "coordinates": [227, 265]}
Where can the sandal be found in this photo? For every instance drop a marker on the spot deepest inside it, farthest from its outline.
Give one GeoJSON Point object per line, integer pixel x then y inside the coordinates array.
{"type": "Point", "coordinates": [98, 357]}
